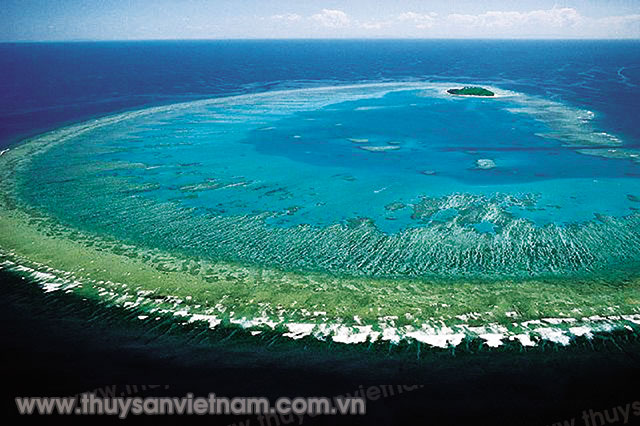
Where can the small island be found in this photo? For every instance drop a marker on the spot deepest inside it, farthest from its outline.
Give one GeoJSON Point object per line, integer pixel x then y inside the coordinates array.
{"type": "Point", "coordinates": [471, 91]}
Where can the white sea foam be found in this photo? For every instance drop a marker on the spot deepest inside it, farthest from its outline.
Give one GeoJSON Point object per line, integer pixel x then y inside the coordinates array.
{"type": "Point", "coordinates": [492, 339]}
{"type": "Point", "coordinates": [357, 334]}
{"type": "Point", "coordinates": [524, 339]}
{"type": "Point", "coordinates": [212, 320]}
{"type": "Point", "coordinates": [299, 330]}
{"type": "Point", "coordinates": [437, 338]}
{"type": "Point", "coordinates": [581, 331]}
{"type": "Point", "coordinates": [553, 335]}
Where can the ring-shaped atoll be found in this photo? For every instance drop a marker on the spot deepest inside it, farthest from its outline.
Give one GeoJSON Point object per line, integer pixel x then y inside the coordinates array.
{"type": "Point", "coordinates": [377, 212]}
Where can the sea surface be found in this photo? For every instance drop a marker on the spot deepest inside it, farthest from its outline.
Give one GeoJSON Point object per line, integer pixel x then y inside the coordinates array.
{"type": "Point", "coordinates": [45, 85]}
{"type": "Point", "coordinates": [345, 158]}
{"type": "Point", "coordinates": [341, 157]}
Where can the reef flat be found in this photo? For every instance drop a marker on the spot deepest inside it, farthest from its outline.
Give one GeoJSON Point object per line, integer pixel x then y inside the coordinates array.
{"type": "Point", "coordinates": [198, 210]}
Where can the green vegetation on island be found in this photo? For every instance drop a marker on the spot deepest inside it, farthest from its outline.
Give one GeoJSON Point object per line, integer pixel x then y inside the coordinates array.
{"type": "Point", "coordinates": [471, 91]}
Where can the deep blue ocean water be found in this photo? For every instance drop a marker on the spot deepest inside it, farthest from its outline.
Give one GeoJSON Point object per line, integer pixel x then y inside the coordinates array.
{"type": "Point", "coordinates": [46, 84]}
